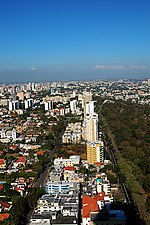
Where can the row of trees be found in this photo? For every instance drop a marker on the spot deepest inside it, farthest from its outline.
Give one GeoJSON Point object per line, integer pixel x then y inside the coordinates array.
{"type": "Point", "coordinates": [127, 125]}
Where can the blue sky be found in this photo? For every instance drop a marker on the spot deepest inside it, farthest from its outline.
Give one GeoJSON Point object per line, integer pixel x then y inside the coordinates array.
{"type": "Point", "coordinates": [74, 39]}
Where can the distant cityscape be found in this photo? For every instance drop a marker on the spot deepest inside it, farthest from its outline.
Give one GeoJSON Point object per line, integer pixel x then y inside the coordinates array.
{"type": "Point", "coordinates": [77, 189]}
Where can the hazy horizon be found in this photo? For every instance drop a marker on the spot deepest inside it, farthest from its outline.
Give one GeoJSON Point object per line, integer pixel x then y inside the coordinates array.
{"type": "Point", "coordinates": [61, 40]}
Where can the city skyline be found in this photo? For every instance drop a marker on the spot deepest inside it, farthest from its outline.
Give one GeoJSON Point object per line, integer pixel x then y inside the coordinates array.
{"type": "Point", "coordinates": [74, 40]}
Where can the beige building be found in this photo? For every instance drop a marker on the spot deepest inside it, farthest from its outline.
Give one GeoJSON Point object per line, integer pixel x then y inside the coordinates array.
{"type": "Point", "coordinates": [20, 95]}
{"type": "Point", "coordinates": [95, 152]}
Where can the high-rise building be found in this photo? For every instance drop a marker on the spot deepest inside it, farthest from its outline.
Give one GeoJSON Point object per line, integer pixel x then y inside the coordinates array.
{"type": "Point", "coordinates": [87, 97]}
{"type": "Point", "coordinates": [27, 95]}
{"type": "Point", "coordinates": [92, 127]}
{"type": "Point", "coordinates": [52, 90]}
{"type": "Point", "coordinates": [95, 152]}
{"type": "Point", "coordinates": [89, 107]}
{"type": "Point", "coordinates": [20, 95]}
{"type": "Point", "coordinates": [28, 103]}
{"type": "Point", "coordinates": [13, 105]}
{"type": "Point", "coordinates": [14, 134]}
{"type": "Point", "coordinates": [14, 92]}
{"type": "Point", "coordinates": [73, 106]}
{"type": "Point", "coordinates": [95, 147]}
{"type": "Point", "coordinates": [33, 86]}
{"type": "Point", "coordinates": [48, 105]}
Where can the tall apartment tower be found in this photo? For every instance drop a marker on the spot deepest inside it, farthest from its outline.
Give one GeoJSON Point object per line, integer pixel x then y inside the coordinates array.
{"type": "Point", "coordinates": [48, 105]}
{"type": "Point", "coordinates": [92, 127]}
{"type": "Point", "coordinates": [14, 134]}
{"type": "Point", "coordinates": [28, 103]}
{"type": "Point", "coordinates": [95, 147]}
{"type": "Point", "coordinates": [89, 108]}
{"type": "Point", "coordinates": [73, 106]}
{"type": "Point", "coordinates": [20, 95]}
{"type": "Point", "coordinates": [13, 91]}
{"type": "Point", "coordinates": [87, 97]}
{"type": "Point", "coordinates": [13, 105]}
{"type": "Point", "coordinates": [95, 152]}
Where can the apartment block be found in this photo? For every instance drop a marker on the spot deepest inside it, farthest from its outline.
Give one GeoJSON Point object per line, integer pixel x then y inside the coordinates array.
{"type": "Point", "coordinates": [95, 152]}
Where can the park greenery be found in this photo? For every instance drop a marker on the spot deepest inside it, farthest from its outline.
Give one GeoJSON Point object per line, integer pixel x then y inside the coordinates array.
{"type": "Point", "coordinates": [22, 206]}
{"type": "Point", "coordinates": [127, 126]}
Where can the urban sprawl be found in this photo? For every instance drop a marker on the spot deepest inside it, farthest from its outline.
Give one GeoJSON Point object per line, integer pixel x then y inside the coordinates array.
{"type": "Point", "coordinates": [51, 139]}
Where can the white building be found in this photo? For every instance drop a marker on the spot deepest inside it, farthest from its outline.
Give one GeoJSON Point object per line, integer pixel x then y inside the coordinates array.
{"type": "Point", "coordinates": [28, 103]}
{"type": "Point", "coordinates": [73, 106]}
{"type": "Point", "coordinates": [90, 107]}
{"type": "Point", "coordinates": [13, 105]}
{"type": "Point", "coordinates": [73, 160]}
{"type": "Point", "coordinates": [92, 127]}
{"type": "Point", "coordinates": [48, 105]}
{"type": "Point", "coordinates": [10, 134]}
{"type": "Point", "coordinates": [73, 133]}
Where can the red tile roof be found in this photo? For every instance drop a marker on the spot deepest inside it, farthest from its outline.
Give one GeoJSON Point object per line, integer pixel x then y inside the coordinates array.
{"type": "Point", "coordinates": [21, 159]}
{"type": "Point", "coordinates": [40, 152]}
{"type": "Point", "coordinates": [4, 216]}
{"type": "Point", "coordinates": [99, 163]}
{"type": "Point", "coordinates": [1, 187]}
{"type": "Point", "coordinates": [100, 196]}
{"type": "Point", "coordinates": [70, 168]}
{"type": "Point", "coordinates": [5, 204]}
{"type": "Point", "coordinates": [2, 161]}
{"type": "Point", "coordinates": [19, 189]}
{"type": "Point", "coordinates": [12, 146]}
{"type": "Point", "coordinates": [89, 204]}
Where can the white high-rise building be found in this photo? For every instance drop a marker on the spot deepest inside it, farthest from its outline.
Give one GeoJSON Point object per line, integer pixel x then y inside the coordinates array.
{"type": "Point", "coordinates": [73, 106]}
{"type": "Point", "coordinates": [28, 103]}
{"type": "Point", "coordinates": [48, 105]}
{"type": "Point", "coordinates": [92, 127]}
{"type": "Point", "coordinates": [89, 107]}
{"type": "Point", "coordinates": [33, 86]}
{"type": "Point", "coordinates": [87, 97]}
{"type": "Point", "coordinates": [74, 93]}
{"type": "Point", "coordinates": [27, 95]}
{"type": "Point", "coordinates": [2, 133]}
{"type": "Point", "coordinates": [14, 134]}
{"type": "Point", "coordinates": [13, 105]}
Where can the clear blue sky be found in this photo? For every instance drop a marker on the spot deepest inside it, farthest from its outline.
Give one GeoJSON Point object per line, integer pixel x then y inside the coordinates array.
{"type": "Point", "coordinates": [74, 39]}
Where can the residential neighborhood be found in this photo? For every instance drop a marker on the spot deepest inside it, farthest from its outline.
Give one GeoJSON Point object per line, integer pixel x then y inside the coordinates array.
{"type": "Point", "coordinates": [54, 127]}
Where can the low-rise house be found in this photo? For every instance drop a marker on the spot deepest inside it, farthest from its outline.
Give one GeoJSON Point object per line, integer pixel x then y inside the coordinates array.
{"type": "Point", "coordinates": [19, 186]}
{"type": "Point", "coordinates": [4, 216]}
{"type": "Point", "coordinates": [4, 206]}
{"type": "Point", "coordinates": [13, 147]}
{"type": "Point", "coordinates": [21, 161]}
{"type": "Point", "coordinates": [40, 152]}
{"type": "Point", "coordinates": [70, 175]}
{"type": "Point", "coordinates": [20, 190]}
{"type": "Point", "coordinates": [2, 164]}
